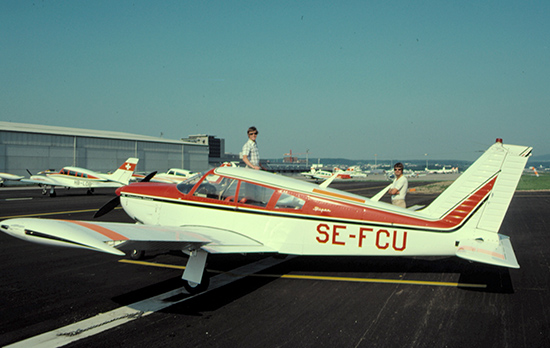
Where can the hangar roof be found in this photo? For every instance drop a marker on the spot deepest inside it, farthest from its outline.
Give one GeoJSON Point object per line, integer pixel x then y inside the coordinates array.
{"type": "Point", "coordinates": [43, 129]}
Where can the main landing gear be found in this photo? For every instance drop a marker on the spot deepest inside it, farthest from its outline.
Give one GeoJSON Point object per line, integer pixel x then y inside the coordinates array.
{"type": "Point", "coordinates": [52, 191]}
{"type": "Point", "coordinates": [195, 277]}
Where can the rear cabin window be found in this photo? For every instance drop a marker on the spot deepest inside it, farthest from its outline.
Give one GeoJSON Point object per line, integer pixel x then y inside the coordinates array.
{"type": "Point", "coordinates": [255, 195]}
{"type": "Point", "coordinates": [287, 201]}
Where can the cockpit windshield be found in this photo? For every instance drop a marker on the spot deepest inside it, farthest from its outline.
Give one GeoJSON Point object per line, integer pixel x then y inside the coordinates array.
{"type": "Point", "coordinates": [186, 185]}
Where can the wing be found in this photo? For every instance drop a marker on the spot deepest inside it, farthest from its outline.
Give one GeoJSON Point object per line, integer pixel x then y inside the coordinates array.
{"type": "Point", "coordinates": [42, 180]}
{"type": "Point", "coordinates": [110, 237]}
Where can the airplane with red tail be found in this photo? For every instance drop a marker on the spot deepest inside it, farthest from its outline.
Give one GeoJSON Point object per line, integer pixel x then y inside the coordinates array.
{"type": "Point", "coordinates": [239, 210]}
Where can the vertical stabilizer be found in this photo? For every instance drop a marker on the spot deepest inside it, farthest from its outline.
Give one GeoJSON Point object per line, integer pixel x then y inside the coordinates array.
{"type": "Point", "coordinates": [124, 173]}
{"type": "Point", "coordinates": [481, 196]}
{"type": "Point", "coordinates": [501, 164]}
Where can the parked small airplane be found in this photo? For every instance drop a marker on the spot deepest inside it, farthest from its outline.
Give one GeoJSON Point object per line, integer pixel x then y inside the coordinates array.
{"type": "Point", "coordinates": [441, 171]}
{"type": "Point", "coordinates": [172, 176]}
{"type": "Point", "coordinates": [74, 177]}
{"type": "Point", "coordinates": [356, 173]}
{"type": "Point", "coordinates": [238, 210]}
{"type": "Point", "coordinates": [321, 175]}
{"type": "Point", "coordinates": [8, 176]}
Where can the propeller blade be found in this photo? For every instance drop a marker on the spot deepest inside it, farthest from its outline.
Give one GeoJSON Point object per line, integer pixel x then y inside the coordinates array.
{"type": "Point", "coordinates": [115, 202]}
{"type": "Point", "coordinates": [148, 177]}
{"type": "Point", "coordinates": [107, 207]}
{"type": "Point", "coordinates": [28, 171]}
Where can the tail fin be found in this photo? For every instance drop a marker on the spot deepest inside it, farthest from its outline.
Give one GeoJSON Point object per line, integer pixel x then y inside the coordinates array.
{"type": "Point", "coordinates": [124, 173]}
{"type": "Point", "coordinates": [484, 193]}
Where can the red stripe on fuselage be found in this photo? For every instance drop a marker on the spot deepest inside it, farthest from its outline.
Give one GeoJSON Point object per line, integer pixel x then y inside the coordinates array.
{"type": "Point", "coordinates": [334, 209]}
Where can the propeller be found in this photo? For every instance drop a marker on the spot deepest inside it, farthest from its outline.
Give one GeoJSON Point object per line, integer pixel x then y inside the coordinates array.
{"type": "Point", "coordinates": [148, 177]}
{"type": "Point", "coordinates": [107, 207]}
{"type": "Point", "coordinates": [115, 202]}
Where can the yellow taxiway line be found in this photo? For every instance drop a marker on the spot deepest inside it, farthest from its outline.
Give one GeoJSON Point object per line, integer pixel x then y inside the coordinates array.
{"type": "Point", "coordinates": [324, 278]}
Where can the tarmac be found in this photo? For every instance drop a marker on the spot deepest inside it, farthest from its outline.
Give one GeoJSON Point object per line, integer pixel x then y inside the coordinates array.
{"type": "Point", "coordinates": [295, 302]}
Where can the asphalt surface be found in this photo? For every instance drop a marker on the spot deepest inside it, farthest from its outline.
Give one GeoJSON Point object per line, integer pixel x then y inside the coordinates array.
{"type": "Point", "coordinates": [44, 288]}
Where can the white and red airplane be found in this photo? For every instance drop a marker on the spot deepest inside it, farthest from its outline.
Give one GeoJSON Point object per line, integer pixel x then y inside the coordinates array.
{"type": "Point", "coordinates": [238, 210]}
{"type": "Point", "coordinates": [75, 177]}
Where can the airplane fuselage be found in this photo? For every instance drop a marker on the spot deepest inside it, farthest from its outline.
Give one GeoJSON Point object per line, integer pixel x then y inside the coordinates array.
{"type": "Point", "coordinates": [318, 222]}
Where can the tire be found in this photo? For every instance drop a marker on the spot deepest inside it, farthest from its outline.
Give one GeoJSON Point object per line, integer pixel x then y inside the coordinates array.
{"type": "Point", "coordinates": [193, 288]}
{"type": "Point", "coordinates": [137, 254]}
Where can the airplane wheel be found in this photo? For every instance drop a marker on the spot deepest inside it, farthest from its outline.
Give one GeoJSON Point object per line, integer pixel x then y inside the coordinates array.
{"type": "Point", "coordinates": [137, 254]}
{"type": "Point", "coordinates": [194, 288]}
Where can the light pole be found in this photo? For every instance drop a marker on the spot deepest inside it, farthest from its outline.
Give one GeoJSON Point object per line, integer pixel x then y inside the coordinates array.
{"type": "Point", "coordinates": [426, 160]}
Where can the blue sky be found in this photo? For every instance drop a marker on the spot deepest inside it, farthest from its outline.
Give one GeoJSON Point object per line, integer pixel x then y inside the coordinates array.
{"type": "Point", "coordinates": [350, 79]}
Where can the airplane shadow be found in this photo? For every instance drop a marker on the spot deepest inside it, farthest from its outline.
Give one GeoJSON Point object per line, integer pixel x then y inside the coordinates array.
{"type": "Point", "coordinates": [495, 279]}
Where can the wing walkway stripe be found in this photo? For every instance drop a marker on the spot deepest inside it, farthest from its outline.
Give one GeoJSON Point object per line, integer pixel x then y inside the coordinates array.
{"type": "Point", "coordinates": [108, 320]}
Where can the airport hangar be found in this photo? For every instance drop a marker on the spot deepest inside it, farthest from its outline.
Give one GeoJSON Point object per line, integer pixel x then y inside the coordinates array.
{"type": "Point", "coordinates": [40, 147]}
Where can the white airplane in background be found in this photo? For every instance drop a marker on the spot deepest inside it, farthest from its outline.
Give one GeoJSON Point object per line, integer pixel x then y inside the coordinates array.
{"type": "Point", "coordinates": [321, 175]}
{"type": "Point", "coordinates": [238, 210]}
{"type": "Point", "coordinates": [8, 176]}
{"type": "Point", "coordinates": [355, 172]}
{"type": "Point", "coordinates": [441, 171]}
{"type": "Point", "coordinates": [75, 177]}
{"type": "Point", "coordinates": [172, 176]}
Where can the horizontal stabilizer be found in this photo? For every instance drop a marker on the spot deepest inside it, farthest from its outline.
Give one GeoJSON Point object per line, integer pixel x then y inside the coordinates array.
{"type": "Point", "coordinates": [498, 254]}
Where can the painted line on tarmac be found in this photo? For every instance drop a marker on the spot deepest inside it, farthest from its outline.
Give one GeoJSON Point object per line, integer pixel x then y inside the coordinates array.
{"type": "Point", "coordinates": [310, 277]}
{"type": "Point", "coordinates": [108, 320]}
{"type": "Point", "coordinates": [375, 280]}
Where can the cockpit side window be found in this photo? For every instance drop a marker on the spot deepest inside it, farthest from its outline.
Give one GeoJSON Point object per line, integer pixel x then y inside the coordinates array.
{"type": "Point", "coordinates": [256, 195]}
{"type": "Point", "coordinates": [217, 187]}
{"type": "Point", "coordinates": [287, 201]}
{"type": "Point", "coordinates": [186, 185]}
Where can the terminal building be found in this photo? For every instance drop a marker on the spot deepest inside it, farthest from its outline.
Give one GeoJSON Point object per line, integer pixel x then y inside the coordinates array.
{"type": "Point", "coordinates": [39, 147]}
{"type": "Point", "coordinates": [216, 149]}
